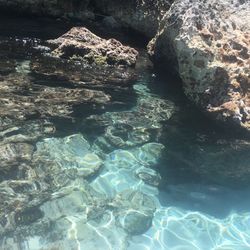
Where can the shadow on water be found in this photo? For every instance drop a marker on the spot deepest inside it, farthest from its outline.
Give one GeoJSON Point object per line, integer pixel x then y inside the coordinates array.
{"type": "Point", "coordinates": [214, 200]}
{"type": "Point", "coordinates": [24, 26]}
{"type": "Point", "coordinates": [192, 140]}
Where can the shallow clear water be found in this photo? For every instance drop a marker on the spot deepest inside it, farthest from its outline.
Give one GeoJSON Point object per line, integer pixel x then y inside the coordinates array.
{"type": "Point", "coordinates": [128, 175]}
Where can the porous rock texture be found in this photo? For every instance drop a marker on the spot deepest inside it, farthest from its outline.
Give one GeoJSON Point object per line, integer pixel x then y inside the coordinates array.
{"type": "Point", "coordinates": [81, 56]}
{"type": "Point", "coordinates": [208, 43]}
{"type": "Point", "coordinates": [80, 43]}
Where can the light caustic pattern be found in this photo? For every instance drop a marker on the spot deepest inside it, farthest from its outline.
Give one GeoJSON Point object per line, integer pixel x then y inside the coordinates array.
{"type": "Point", "coordinates": [119, 208]}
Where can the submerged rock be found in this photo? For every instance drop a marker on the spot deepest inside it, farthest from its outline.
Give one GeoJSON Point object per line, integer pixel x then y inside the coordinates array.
{"type": "Point", "coordinates": [135, 222]}
{"type": "Point", "coordinates": [136, 211]}
{"type": "Point", "coordinates": [71, 152]}
{"type": "Point", "coordinates": [128, 129]}
{"type": "Point", "coordinates": [14, 153]}
{"type": "Point", "coordinates": [209, 45]}
{"type": "Point", "coordinates": [56, 170]}
{"type": "Point", "coordinates": [149, 176]}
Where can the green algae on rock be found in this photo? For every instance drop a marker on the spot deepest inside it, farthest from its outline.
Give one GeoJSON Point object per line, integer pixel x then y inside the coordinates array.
{"type": "Point", "coordinates": [82, 43]}
{"type": "Point", "coordinates": [86, 59]}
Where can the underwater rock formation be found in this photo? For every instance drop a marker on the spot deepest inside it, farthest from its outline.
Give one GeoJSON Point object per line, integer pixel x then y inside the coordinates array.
{"type": "Point", "coordinates": [55, 166]}
{"type": "Point", "coordinates": [72, 152]}
{"type": "Point", "coordinates": [135, 211]}
{"type": "Point", "coordinates": [55, 192]}
{"type": "Point", "coordinates": [207, 42]}
{"type": "Point", "coordinates": [209, 45]}
{"type": "Point", "coordinates": [136, 127]}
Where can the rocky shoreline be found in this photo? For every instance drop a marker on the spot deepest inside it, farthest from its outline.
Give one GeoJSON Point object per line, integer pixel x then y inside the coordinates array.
{"type": "Point", "coordinates": [98, 186]}
{"type": "Point", "coordinates": [208, 46]}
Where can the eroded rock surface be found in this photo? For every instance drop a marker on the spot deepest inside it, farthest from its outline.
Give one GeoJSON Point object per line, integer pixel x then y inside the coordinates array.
{"type": "Point", "coordinates": [208, 42]}
{"type": "Point", "coordinates": [84, 58]}
{"type": "Point", "coordinates": [81, 44]}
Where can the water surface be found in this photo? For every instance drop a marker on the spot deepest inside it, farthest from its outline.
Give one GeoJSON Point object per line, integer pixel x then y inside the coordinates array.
{"type": "Point", "coordinates": [143, 171]}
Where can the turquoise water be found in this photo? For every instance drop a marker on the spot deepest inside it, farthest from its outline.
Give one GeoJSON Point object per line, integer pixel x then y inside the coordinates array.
{"type": "Point", "coordinates": [125, 177]}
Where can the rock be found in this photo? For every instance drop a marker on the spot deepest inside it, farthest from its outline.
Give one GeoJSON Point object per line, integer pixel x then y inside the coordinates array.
{"type": "Point", "coordinates": [209, 45]}
{"type": "Point", "coordinates": [122, 159]}
{"type": "Point", "coordinates": [12, 154]}
{"type": "Point", "coordinates": [71, 152]}
{"type": "Point", "coordinates": [142, 16]}
{"type": "Point", "coordinates": [42, 101]}
{"type": "Point", "coordinates": [135, 211]}
{"type": "Point", "coordinates": [149, 176]}
{"type": "Point", "coordinates": [129, 129]}
{"type": "Point", "coordinates": [84, 58]}
{"type": "Point", "coordinates": [81, 44]}
{"type": "Point", "coordinates": [135, 222]}
{"type": "Point", "coordinates": [80, 74]}
{"type": "Point", "coordinates": [149, 153]}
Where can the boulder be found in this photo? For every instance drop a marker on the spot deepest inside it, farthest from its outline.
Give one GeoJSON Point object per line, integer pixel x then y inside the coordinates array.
{"type": "Point", "coordinates": [134, 212]}
{"type": "Point", "coordinates": [72, 152]}
{"type": "Point", "coordinates": [81, 56]}
{"type": "Point", "coordinates": [81, 44]}
{"type": "Point", "coordinates": [208, 44]}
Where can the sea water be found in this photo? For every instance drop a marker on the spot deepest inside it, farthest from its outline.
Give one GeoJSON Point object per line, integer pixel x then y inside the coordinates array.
{"type": "Point", "coordinates": [124, 178]}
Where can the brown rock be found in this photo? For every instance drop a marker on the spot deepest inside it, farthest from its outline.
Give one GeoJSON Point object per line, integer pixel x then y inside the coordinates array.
{"type": "Point", "coordinates": [80, 44]}
{"type": "Point", "coordinates": [209, 45]}
{"type": "Point", "coordinates": [84, 58]}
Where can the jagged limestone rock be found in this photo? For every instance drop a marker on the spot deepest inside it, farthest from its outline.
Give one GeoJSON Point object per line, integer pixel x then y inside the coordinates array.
{"type": "Point", "coordinates": [208, 43]}
{"type": "Point", "coordinates": [86, 59]}
{"type": "Point", "coordinates": [81, 44]}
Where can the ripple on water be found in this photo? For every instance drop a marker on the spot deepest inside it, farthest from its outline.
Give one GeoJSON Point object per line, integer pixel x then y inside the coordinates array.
{"type": "Point", "coordinates": [174, 228]}
{"type": "Point", "coordinates": [119, 208]}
